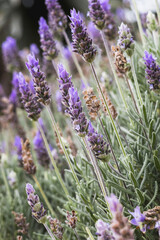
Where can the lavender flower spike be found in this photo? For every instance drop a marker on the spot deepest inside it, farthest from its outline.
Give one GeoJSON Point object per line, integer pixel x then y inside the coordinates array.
{"type": "Point", "coordinates": [97, 144]}
{"type": "Point", "coordinates": [10, 54]}
{"type": "Point", "coordinates": [64, 84]}
{"type": "Point", "coordinates": [125, 40]}
{"type": "Point", "coordinates": [40, 84]}
{"type": "Point", "coordinates": [97, 14]}
{"type": "Point", "coordinates": [152, 72]}
{"type": "Point", "coordinates": [28, 99]}
{"type": "Point", "coordinates": [37, 208]}
{"type": "Point", "coordinates": [57, 17]}
{"type": "Point", "coordinates": [48, 45]}
{"type": "Point", "coordinates": [103, 231]}
{"type": "Point", "coordinates": [18, 145]}
{"type": "Point", "coordinates": [82, 43]}
{"type": "Point", "coordinates": [78, 118]}
{"type": "Point", "coordinates": [120, 226]}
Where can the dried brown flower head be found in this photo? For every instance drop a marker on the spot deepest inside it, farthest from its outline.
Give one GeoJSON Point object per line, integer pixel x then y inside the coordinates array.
{"type": "Point", "coordinates": [152, 216]}
{"type": "Point", "coordinates": [109, 103]}
{"type": "Point", "coordinates": [28, 163]}
{"type": "Point", "coordinates": [71, 219]}
{"type": "Point", "coordinates": [22, 226]}
{"type": "Point", "coordinates": [93, 104]}
{"type": "Point", "coordinates": [56, 227]}
{"type": "Point", "coordinates": [120, 60]}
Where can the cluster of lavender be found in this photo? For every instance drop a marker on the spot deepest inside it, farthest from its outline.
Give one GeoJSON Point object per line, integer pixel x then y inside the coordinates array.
{"type": "Point", "coordinates": [34, 94]}
{"type": "Point", "coordinates": [152, 72]}
{"type": "Point", "coordinates": [37, 208]}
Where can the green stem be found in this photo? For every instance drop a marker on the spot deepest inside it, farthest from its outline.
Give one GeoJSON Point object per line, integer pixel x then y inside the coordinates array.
{"type": "Point", "coordinates": [75, 232]}
{"type": "Point", "coordinates": [49, 231]}
{"type": "Point", "coordinates": [44, 196]}
{"type": "Point", "coordinates": [6, 183]}
{"type": "Point", "coordinates": [89, 234]}
{"type": "Point", "coordinates": [139, 22]}
{"type": "Point", "coordinates": [75, 58]}
{"type": "Point", "coordinates": [136, 82]}
{"type": "Point", "coordinates": [113, 70]}
{"type": "Point", "coordinates": [53, 161]}
{"type": "Point", "coordinates": [158, 10]}
{"type": "Point", "coordinates": [97, 171]}
{"type": "Point", "coordinates": [109, 113]}
{"type": "Point", "coordinates": [55, 128]}
{"type": "Point", "coordinates": [55, 67]}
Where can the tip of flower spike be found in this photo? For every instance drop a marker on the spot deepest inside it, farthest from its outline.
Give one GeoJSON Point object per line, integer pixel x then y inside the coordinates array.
{"type": "Point", "coordinates": [114, 203]}
{"type": "Point", "coordinates": [148, 57]}
{"type": "Point", "coordinates": [29, 189]}
{"type": "Point", "coordinates": [9, 43]}
{"type": "Point", "coordinates": [34, 49]}
{"type": "Point", "coordinates": [105, 5]}
{"type": "Point", "coordinates": [43, 24]}
{"type": "Point", "coordinates": [32, 61]}
{"type": "Point", "coordinates": [123, 28]}
{"type": "Point", "coordinates": [75, 16]}
{"type": "Point", "coordinates": [90, 128]}
{"type": "Point", "coordinates": [22, 83]}
{"type": "Point", "coordinates": [62, 73]}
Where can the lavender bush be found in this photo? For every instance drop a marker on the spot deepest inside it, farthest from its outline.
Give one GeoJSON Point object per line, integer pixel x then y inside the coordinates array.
{"type": "Point", "coordinates": [82, 166]}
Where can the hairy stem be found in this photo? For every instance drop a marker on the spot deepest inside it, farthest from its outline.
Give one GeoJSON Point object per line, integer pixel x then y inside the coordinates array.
{"type": "Point", "coordinates": [55, 67]}
{"type": "Point", "coordinates": [97, 171]}
{"type": "Point", "coordinates": [49, 232]}
{"type": "Point", "coordinates": [109, 113]}
{"type": "Point", "coordinates": [139, 22]}
{"type": "Point", "coordinates": [136, 82]}
{"type": "Point", "coordinates": [53, 161]}
{"type": "Point", "coordinates": [55, 128]}
{"type": "Point", "coordinates": [79, 69]}
{"type": "Point", "coordinates": [44, 196]}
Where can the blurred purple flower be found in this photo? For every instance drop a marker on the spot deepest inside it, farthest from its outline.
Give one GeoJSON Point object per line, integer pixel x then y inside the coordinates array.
{"type": "Point", "coordinates": [152, 72]}
{"type": "Point", "coordinates": [48, 45]}
{"type": "Point", "coordinates": [103, 231]}
{"type": "Point", "coordinates": [34, 50]}
{"type": "Point", "coordinates": [11, 54]}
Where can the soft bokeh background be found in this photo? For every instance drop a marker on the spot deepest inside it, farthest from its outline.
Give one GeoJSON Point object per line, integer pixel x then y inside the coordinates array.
{"type": "Point", "coordinates": [19, 19]}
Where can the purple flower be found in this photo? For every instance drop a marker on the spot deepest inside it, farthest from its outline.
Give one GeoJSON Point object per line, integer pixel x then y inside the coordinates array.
{"type": "Point", "coordinates": [15, 96]}
{"type": "Point", "coordinates": [28, 99]}
{"type": "Point", "coordinates": [18, 145]}
{"type": "Point", "coordinates": [103, 231]}
{"type": "Point", "coordinates": [57, 17]}
{"type": "Point", "coordinates": [40, 149]}
{"type": "Point", "coordinates": [64, 84]}
{"type": "Point", "coordinates": [60, 106]}
{"type": "Point", "coordinates": [97, 14]}
{"type": "Point", "coordinates": [10, 54]}
{"type": "Point", "coordinates": [125, 40]}
{"type": "Point", "coordinates": [99, 147]}
{"type": "Point", "coordinates": [105, 5]}
{"type": "Point", "coordinates": [34, 50]}
{"type": "Point", "coordinates": [152, 72]}
{"type": "Point", "coordinates": [37, 208]}
{"type": "Point", "coordinates": [48, 45]}
{"type": "Point", "coordinates": [82, 43]}
{"type": "Point", "coordinates": [40, 84]}
{"type": "Point", "coordinates": [78, 117]}
{"type": "Point", "coordinates": [138, 219]}
{"type": "Point", "coordinates": [110, 26]}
